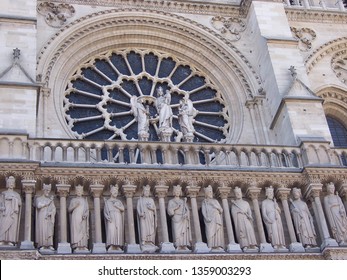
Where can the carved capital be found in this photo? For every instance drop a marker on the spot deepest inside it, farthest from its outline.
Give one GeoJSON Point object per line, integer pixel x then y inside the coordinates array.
{"type": "Point", "coordinates": [129, 190]}
{"type": "Point", "coordinates": [223, 192]}
{"type": "Point", "coordinates": [161, 191]}
{"type": "Point", "coordinates": [283, 193]}
{"type": "Point", "coordinates": [63, 190]}
{"type": "Point", "coordinates": [28, 186]}
{"type": "Point", "coordinates": [313, 190]}
{"type": "Point", "coordinates": [253, 192]}
{"type": "Point", "coordinates": [96, 190]}
{"type": "Point", "coordinates": [192, 191]}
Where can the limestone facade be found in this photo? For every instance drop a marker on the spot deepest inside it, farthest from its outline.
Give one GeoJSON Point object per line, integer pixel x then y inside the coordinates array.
{"type": "Point", "coordinates": [262, 76]}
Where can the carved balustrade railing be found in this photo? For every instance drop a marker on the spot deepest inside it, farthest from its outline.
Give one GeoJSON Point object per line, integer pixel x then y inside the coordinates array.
{"type": "Point", "coordinates": [20, 147]}
{"type": "Point", "coordinates": [327, 5]}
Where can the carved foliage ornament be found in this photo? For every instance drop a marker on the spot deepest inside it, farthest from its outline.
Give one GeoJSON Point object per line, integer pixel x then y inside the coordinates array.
{"type": "Point", "coordinates": [339, 65]}
{"type": "Point", "coordinates": [305, 37]}
{"type": "Point", "coordinates": [55, 14]}
{"type": "Point", "coordinates": [229, 27]}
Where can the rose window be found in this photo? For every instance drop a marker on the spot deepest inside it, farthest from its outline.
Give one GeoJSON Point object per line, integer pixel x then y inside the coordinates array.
{"type": "Point", "coordinates": [144, 95]}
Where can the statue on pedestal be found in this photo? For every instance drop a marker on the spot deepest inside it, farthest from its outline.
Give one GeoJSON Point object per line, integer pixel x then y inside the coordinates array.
{"type": "Point", "coordinates": [79, 221]}
{"type": "Point", "coordinates": [272, 218]}
{"type": "Point", "coordinates": [10, 206]}
{"type": "Point", "coordinates": [114, 216]}
{"type": "Point", "coordinates": [142, 117]}
{"type": "Point", "coordinates": [213, 218]}
{"type": "Point", "coordinates": [45, 218]}
{"type": "Point", "coordinates": [303, 221]}
{"type": "Point", "coordinates": [147, 220]}
{"type": "Point", "coordinates": [336, 215]}
{"type": "Point", "coordinates": [163, 107]}
{"type": "Point", "coordinates": [180, 220]}
{"type": "Point", "coordinates": [242, 216]}
{"type": "Point", "coordinates": [186, 114]}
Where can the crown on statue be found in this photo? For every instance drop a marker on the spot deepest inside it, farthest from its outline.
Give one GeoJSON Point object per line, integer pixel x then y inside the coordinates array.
{"type": "Point", "coordinates": [114, 187]}
{"type": "Point", "coordinates": [208, 188]}
{"type": "Point", "coordinates": [47, 187]}
{"type": "Point", "coordinates": [79, 188]}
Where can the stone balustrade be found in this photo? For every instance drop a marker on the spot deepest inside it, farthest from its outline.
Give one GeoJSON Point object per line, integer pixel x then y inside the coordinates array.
{"type": "Point", "coordinates": [326, 5]}
{"type": "Point", "coordinates": [214, 155]}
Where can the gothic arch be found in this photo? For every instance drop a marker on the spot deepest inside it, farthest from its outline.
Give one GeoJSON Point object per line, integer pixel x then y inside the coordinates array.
{"type": "Point", "coordinates": [335, 103]}
{"type": "Point", "coordinates": [136, 28]}
{"type": "Point", "coordinates": [326, 49]}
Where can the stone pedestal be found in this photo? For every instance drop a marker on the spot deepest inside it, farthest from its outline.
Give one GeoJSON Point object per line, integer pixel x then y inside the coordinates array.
{"type": "Point", "coordinates": [64, 248]}
{"type": "Point", "coordinates": [133, 249]}
{"type": "Point", "coordinates": [167, 248]}
{"type": "Point", "coordinates": [99, 248]}
{"type": "Point", "coordinates": [201, 247]}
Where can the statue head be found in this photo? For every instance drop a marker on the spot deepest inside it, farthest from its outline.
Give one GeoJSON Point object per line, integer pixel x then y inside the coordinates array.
{"type": "Point", "coordinates": [331, 188]}
{"type": "Point", "coordinates": [238, 192]}
{"type": "Point", "coordinates": [46, 189]}
{"type": "Point", "coordinates": [10, 182]}
{"type": "Point", "coordinates": [269, 191]}
{"type": "Point", "coordinates": [160, 91]}
{"type": "Point", "coordinates": [177, 190]}
{"type": "Point", "coordinates": [146, 190]}
{"type": "Point", "coordinates": [208, 191]}
{"type": "Point", "coordinates": [79, 190]}
{"type": "Point", "coordinates": [296, 193]}
{"type": "Point", "coordinates": [114, 190]}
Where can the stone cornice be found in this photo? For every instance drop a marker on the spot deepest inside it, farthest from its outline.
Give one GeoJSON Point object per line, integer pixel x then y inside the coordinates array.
{"type": "Point", "coordinates": [191, 7]}
{"type": "Point", "coordinates": [322, 16]}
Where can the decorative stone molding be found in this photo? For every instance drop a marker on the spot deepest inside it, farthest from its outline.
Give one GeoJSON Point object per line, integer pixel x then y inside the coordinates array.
{"type": "Point", "coordinates": [114, 21]}
{"type": "Point", "coordinates": [305, 37]}
{"type": "Point", "coordinates": [172, 6]}
{"type": "Point", "coordinates": [55, 15]}
{"type": "Point", "coordinates": [339, 65]}
{"type": "Point", "coordinates": [305, 15]}
{"type": "Point", "coordinates": [229, 27]}
{"type": "Point", "coordinates": [326, 49]}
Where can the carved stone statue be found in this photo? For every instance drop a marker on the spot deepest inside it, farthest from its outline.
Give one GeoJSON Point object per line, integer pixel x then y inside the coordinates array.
{"type": "Point", "coordinates": [336, 215]}
{"type": "Point", "coordinates": [114, 216]}
{"type": "Point", "coordinates": [212, 213]}
{"type": "Point", "coordinates": [165, 114]}
{"type": "Point", "coordinates": [180, 219]}
{"type": "Point", "coordinates": [10, 205]}
{"type": "Point", "coordinates": [147, 220]}
{"type": "Point", "coordinates": [79, 221]}
{"type": "Point", "coordinates": [242, 216]}
{"type": "Point", "coordinates": [142, 117]}
{"type": "Point", "coordinates": [186, 114]}
{"type": "Point", "coordinates": [272, 218]}
{"type": "Point", "coordinates": [45, 218]}
{"type": "Point", "coordinates": [303, 221]}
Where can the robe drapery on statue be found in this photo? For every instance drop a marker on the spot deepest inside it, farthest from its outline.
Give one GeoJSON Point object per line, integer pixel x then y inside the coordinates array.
{"type": "Point", "coordinates": [147, 218]}
{"type": "Point", "coordinates": [10, 207]}
{"type": "Point", "coordinates": [114, 216]}
{"type": "Point", "coordinates": [45, 218]}
{"type": "Point", "coordinates": [79, 220]}
{"type": "Point", "coordinates": [212, 213]}
{"type": "Point", "coordinates": [180, 220]}
{"type": "Point", "coordinates": [272, 218]}
{"type": "Point", "coordinates": [302, 219]}
{"type": "Point", "coordinates": [336, 215]}
{"type": "Point", "coordinates": [242, 216]}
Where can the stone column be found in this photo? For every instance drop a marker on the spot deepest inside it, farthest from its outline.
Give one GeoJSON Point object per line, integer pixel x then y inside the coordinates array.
{"type": "Point", "coordinates": [313, 192]}
{"type": "Point", "coordinates": [199, 246]}
{"type": "Point", "coordinates": [166, 246]}
{"type": "Point", "coordinates": [98, 246]}
{"type": "Point", "coordinates": [295, 246]}
{"type": "Point", "coordinates": [232, 247]}
{"type": "Point", "coordinates": [29, 189]}
{"type": "Point", "coordinates": [253, 193]}
{"type": "Point", "coordinates": [63, 246]}
{"type": "Point", "coordinates": [131, 247]}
